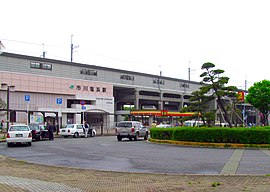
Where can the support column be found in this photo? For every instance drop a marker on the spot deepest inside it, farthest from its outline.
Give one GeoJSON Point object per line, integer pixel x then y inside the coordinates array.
{"type": "Point", "coordinates": [137, 101]}
{"type": "Point", "coordinates": [160, 102]}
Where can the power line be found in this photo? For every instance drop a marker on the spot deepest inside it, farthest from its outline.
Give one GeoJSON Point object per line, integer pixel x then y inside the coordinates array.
{"type": "Point", "coordinates": [32, 43]}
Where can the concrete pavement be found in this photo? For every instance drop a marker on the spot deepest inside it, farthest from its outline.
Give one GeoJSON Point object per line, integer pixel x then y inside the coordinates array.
{"type": "Point", "coordinates": [18, 175]}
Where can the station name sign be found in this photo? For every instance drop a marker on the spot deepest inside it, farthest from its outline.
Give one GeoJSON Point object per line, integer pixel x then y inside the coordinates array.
{"type": "Point", "coordinates": [88, 88]}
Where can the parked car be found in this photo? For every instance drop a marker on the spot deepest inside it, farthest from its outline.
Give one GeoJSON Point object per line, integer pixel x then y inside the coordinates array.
{"type": "Point", "coordinates": [161, 125]}
{"type": "Point", "coordinates": [193, 123]}
{"type": "Point", "coordinates": [39, 132]}
{"type": "Point", "coordinates": [131, 129]}
{"type": "Point", "coordinates": [19, 134]}
{"type": "Point", "coordinates": [92, 131]}
{"type": "Point", "coordinates": [75, 130]}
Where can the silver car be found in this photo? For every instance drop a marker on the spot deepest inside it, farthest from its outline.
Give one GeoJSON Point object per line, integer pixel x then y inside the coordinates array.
{"type": "Point", "coordinates": [130, 130]}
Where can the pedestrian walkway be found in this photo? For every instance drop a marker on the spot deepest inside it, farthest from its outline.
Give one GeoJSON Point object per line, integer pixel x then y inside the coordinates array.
{"type": "Point", "coordinates": [20, 176]}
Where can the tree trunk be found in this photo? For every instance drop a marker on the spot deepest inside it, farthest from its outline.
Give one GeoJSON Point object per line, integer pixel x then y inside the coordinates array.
{"type": "Point", "coordinates": [265, 118]}
{"type": "Point", "coordinates": [220, 104]}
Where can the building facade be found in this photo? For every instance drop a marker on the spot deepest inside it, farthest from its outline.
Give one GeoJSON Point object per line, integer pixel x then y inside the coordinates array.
{"type": "Point", "coordinates": [66, 92]}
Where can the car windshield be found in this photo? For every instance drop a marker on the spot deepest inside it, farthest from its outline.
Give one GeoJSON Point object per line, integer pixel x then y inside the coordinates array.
{"type": "Point", "coordinates": [124, 124]}
{"type": "Point", "coordinates": [34, 127]}
{"type": "Point", "coordinates": [42, 127]}
{"type": "Point", "coordinates": [18, 128]}
{"type": "Point", "coordinates": [70, 126]}
{"type": "Point", "coordinates": [79, 127]}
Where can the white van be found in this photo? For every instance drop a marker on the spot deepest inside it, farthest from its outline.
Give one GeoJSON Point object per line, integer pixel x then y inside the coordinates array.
{"type": "Point", "coordinates": [192, 123]}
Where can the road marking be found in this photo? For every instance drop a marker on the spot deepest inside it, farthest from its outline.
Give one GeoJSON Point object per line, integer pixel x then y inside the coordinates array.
{"type": "Point", "coordinates": [267, 152]}
{"type": "Point", "coordinates": [232, 164]}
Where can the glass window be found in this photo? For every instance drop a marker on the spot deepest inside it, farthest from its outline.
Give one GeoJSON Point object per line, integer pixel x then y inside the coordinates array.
{"type": "Point", "coordinates": [70, 126]}
{"type": "Point", "coordinates": [19, 128]}
{"type": "Point", "coordinates": [38, 65]}
{"type": "Point", "coordinates": [88, 72]}
{"type": "Point", "coordinates": [35, 65]}
{"type": "Point", "coordinates": [124, 124]}
{"type": "Point", "coordinates": [47, 66]}
{"type": "Point", "coordinates": [127, 77]}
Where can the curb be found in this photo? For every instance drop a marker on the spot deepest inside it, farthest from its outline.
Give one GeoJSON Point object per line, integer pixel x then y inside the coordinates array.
{"type": "Point", "coordinates": [213, 145]}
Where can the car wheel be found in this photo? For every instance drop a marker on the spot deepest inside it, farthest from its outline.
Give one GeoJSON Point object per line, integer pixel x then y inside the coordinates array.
{"type": "Point", "coordinates": [136, 138]}
{"type": "Point", "coordinates": [130, 138]}
{"type": "Point", "coordinates": [65, 136]}
{"type": "Point", "coordinates": [119, 138]}
{"type": "Point", "coordinates": [76, 135]}
{"type": "Point", "coordinates": [146, 136]}
{"type": "Point", "coordinates": [9, 144]}
{"type": "Point", "coordinates": [29, 143]}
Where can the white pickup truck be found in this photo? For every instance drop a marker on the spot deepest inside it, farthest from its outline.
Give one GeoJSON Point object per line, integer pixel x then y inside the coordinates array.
{"type": "Point", "coordinates": [131, 129]}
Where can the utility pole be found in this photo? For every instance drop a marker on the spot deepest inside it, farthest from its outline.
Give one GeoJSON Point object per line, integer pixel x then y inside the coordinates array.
{"type": "Point", "coordinates": [189, 73]}
{"type": "Point", "coordinates": [189, 70]}
{"type": "Point", "coordinates": [72, 47]}
{"type": "Point", "coordinates": [43, 53]}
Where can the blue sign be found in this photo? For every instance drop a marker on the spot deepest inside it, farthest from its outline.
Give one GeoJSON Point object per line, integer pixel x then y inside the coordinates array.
{"type": "Point", "coordinates": [59, 101]}
{"type": "Point", "coordinates": [27, 98]}
{"type": "Point", "coordinates": [83, 107]}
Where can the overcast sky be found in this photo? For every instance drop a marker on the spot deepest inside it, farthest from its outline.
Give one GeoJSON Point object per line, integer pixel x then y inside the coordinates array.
{"type": "Point", "coordinates": [147, 36]}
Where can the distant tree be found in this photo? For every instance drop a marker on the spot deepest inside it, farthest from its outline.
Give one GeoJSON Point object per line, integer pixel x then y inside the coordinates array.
{"type": "Point", "coordinates": [215, 84]}
{"type": "Point", "coordinates": [259, 97]}
{"type": "Point", "coordinates": [199, 104]}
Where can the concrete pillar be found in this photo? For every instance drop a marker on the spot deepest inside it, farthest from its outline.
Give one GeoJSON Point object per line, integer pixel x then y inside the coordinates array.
{"type": "Point", "coordinates": [160, 102]}
{"type": "Point", "coordinates": [151, 120]}
{"type": "Point", "coordinates": [136, 102]}
{"type": "Point", "coordinates": [77, 118]}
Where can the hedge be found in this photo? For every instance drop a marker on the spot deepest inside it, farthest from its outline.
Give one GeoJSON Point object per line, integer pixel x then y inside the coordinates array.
{"type": "Point", "coordinates": [256, 135]}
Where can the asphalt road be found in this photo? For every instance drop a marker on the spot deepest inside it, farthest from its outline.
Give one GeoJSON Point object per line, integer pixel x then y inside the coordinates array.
{"type": "Point", "coordinates": [106, 153]}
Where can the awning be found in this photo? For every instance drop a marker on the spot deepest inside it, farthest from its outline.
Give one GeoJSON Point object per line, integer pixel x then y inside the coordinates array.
{"type": "Point", "coordinates": [50, 115]}
{"type": "Point", "coordinates": [161, 113]}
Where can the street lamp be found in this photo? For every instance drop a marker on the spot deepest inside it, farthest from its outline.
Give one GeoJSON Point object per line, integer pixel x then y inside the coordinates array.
{"type": "Point", "coordinates": [7, 88]}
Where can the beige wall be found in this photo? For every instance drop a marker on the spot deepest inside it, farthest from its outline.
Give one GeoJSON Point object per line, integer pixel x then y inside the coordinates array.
{"type": "Point", "coordinates": [54, 85]}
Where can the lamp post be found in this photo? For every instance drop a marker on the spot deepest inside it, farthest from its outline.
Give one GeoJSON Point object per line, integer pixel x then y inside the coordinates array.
{"type": "Point", "coordinates": [7, 88]}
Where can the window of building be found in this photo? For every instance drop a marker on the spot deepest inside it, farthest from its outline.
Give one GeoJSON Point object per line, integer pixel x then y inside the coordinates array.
{"type": "Point", "coordinates": [159, 81]}
{"type": "Point", "coordinates": [127, 77]}
{"type": "Point", "coordinates": [185, 85]}
{"type": "Point", "coordinates": [92, 89]}
{"type": "Point", "coordinates": [88, 72]}
{"type": "Point", "coordinates": [37, 65]}
{"type": "Point", "coordinates": [104, 89]}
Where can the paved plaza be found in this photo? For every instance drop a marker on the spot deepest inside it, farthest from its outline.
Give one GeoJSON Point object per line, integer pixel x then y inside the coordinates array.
{"type": "Point", "coordinates": [41, 167]}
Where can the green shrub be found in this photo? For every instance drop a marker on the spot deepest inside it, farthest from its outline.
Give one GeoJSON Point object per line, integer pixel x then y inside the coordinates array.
{"type": "Point", "coordinates": [255, 135]}
{"type": "Point", "coordinates": [162, 133]}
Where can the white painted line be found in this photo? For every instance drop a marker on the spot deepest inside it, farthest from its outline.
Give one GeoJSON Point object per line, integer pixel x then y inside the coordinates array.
{"type": "Point", "coordinates": [232, 164]}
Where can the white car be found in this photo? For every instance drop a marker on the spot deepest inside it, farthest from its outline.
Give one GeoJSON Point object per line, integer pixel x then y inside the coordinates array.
{"type": "Point", "coordinates": [18, 134]}
{"type": "Point", "coordinates": [164, 125]}
{"type": "Point", "coordinates": [75, 130]}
